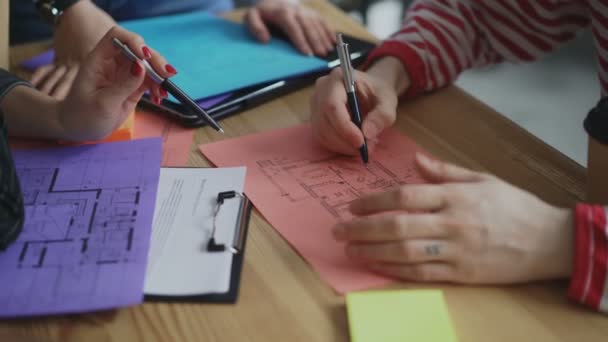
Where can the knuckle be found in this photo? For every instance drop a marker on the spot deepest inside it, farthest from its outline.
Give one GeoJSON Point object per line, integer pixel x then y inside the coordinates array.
{"type": "Point", "coordinates": [320, 81]}
{"type": "Point", "coordinates": [286, 13]}
{"type": "Point", "coordinates": [405, 251]}
{"type": "Point", "coordinates": [452, 225]}
{"type": "Point", "coordinates": [330, 108]}
{"type": "Point", "coordinates": [395, 226]}
{"type": "Point", "coordinates": [337, 74]}
{"type": "Point", "coordinates": [479, 240]}
{"type": "Point", "coordinates": [421, 274]}
{"type": "Point", "coordinates": [403, 196]}
{"type": "Point", "coordinates": [113, 30]}
{"type": "Point", "coordinates": [136, 39]}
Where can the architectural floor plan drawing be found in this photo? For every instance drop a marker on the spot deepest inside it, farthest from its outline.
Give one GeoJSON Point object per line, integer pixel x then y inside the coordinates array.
{"type": "Point", "coordinates": [334, 182]}
{"type": "Point", "coordinates": [85, 240]}
{"type": "Point", "coordinates": [304, 190]}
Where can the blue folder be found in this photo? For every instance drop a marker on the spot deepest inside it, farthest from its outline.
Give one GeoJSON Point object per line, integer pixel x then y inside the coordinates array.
{"type": "Point", "coordinates": [214, 56]}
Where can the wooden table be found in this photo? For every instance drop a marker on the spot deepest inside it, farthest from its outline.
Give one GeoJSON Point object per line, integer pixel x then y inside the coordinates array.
{"type": "Point", "coordinates": [282, 299]}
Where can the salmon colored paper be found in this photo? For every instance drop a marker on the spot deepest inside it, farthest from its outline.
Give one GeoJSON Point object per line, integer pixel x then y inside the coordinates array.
{"type": "Point", "coordinates": [303, 190]}
{"type": "Point", "coordinates": [177, 140]}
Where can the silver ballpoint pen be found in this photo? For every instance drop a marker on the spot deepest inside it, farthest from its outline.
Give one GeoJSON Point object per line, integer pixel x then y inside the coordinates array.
{"type": "Point", "coordinates": [169, 86]}
{"type": "Point", "coordinates": [351, 91]}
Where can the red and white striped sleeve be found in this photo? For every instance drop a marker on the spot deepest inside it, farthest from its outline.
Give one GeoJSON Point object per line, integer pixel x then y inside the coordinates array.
{"type": "Point", "coordinates": [589, 283]}
{"type": "Point", "coordinates": [441, 38]}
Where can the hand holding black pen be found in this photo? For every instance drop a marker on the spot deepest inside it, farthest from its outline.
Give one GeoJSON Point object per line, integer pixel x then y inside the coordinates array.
{"type": "Point", "coordinates": [169, 86]}
{"type": "Point", "coordinates": [351, 91]}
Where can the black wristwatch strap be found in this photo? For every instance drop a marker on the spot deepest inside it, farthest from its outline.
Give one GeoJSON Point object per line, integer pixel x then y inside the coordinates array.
{"type": "Point", "coordinates": [596, 122]}
{"type": "Point", "coordinates": [51, 10]}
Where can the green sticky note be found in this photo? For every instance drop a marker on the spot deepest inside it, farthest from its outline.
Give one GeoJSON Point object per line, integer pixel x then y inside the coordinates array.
{"type": "Point", "coordinates": [402, 315]}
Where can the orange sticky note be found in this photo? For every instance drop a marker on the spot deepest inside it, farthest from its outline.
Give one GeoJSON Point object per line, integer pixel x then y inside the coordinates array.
{"type": "Point", "coordinates": [303, 190]}
{"type": "Point", "coordinates": [126, 131]}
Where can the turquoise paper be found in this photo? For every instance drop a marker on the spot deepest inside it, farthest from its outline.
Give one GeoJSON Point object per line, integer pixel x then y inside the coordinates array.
{"type": "Point", "coordinates": [214, 56]}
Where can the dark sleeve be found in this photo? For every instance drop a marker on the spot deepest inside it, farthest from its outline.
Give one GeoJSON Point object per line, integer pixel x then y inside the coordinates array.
{"type": "Point", "coordinates": [596, 122]}
{"type": "Point", "coordinates": [9, 81]}
{"type": "Point", "coordinates": [11, 199]}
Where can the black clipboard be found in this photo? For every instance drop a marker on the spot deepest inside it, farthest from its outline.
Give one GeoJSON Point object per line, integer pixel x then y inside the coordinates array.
{"type": "Point", "coordinates": [238, 258]}
{"type": "Point", "coordinates": [250, 97]}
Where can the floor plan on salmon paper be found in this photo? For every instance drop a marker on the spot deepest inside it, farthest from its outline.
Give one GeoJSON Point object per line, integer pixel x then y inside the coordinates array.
{"type": "Point", "coordinates": [334, 181]}
{"type": "Point", "coordinates": [303, 190]}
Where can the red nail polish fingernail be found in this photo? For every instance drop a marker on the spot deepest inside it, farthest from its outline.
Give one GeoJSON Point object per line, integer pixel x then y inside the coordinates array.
{"type": "Point", "coordinates": [157, 100]}
{"type": "Point", "coordinates": [147, 52]}
{"type": "Point", "coordinates": [163, 92]}
{"type": "Point", "coordinates": [136, 69]}
{"type": "Point", "coordinates": [170, 69]}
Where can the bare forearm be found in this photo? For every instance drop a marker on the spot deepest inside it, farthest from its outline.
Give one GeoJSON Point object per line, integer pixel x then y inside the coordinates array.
{"type": "Point", "coordinates": [80, 11]}
{"type": "Point", "coordinates": [79, 29]}
{"type": "Point", "coordinates": [29, 113]}
{"type": "Point", "coordinates": [392, 71]}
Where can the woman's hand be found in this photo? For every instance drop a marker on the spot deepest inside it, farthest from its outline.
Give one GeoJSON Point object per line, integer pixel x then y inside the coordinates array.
{"type": "Point", "coordinates": [308, 31]}
{"type": "Point", "coordinates": [80, 28]}
{"type": "Point", "coordinates": [330, 117]}
{"type": "Point", "coordinates": [108, 87]}
{"type": "Point", "coordinates": [465, 227]}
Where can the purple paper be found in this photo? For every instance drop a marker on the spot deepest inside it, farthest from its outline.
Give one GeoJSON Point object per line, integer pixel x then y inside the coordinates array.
{"type": "Point", "coordinates": [212, 101]}
{"type": "Point", "coordinates": [84, 245]}
{"type": "Point", "coordinates": [37, 61]}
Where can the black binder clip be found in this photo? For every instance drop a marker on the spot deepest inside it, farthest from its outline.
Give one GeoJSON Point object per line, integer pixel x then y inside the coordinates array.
{"type": "Point", "coordinates": [212, 245]}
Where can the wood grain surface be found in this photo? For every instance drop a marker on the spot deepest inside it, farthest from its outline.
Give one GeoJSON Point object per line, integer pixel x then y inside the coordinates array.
{"type": "Point", "coordinates": [282, 299]}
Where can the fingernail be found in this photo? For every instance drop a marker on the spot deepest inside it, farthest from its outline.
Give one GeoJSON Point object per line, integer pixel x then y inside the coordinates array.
{"type": "Point", "coordinates": [170, 69]}
{"type": "Point", "coordinates": [136, 69]}
{"type": "Point", "coordinates": [147, 52]}
{"type": "Point", "coordinates": [423, 159]}
{"type": "Point", "coordinates": [163, 92]}
{"type": "Point", "coordinates": [157, 100]}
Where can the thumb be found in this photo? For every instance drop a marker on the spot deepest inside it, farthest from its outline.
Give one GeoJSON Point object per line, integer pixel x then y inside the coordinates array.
{"type": "Point", "coordinates": [437, 171]}
{"type": "Point", "coordinates": [376, 121]}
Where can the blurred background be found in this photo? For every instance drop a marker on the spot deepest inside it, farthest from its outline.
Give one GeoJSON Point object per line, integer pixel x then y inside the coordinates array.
{"type": "Point", "coordinates": [549, 98]}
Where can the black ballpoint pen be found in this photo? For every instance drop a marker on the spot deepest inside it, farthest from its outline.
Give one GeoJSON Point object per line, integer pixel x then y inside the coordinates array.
{"type": "Point", "coordinates": [169, 86]}
{"type": "Point", "coordinates": [351, 91]}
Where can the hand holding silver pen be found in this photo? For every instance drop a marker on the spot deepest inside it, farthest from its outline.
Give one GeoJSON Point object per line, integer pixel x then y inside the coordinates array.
{"type": "Point", "coordinates": [168, 86]}
{"type": "Point", "coordinates": [351, 91]}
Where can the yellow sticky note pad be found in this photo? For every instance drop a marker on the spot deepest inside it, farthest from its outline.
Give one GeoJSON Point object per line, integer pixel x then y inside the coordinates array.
{"type": "Point", "coordinates": [402, 315]}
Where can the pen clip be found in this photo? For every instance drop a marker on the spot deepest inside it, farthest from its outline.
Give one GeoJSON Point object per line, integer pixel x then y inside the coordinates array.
{"type": "Point", "coordinates": [347, 68]}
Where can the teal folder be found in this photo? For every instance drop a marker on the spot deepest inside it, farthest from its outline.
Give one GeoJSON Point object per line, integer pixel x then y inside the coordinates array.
{"type": "Point", "coordinates": [214, 56]}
